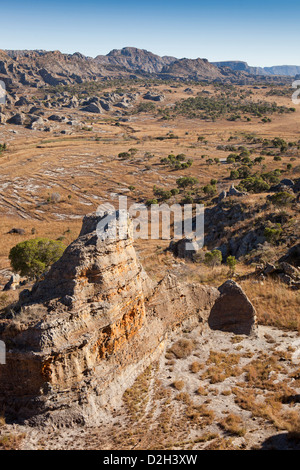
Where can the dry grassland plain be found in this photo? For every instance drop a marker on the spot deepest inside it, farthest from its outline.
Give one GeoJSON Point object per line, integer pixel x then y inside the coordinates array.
{"type": "Point", "coordinates": [218, 396]}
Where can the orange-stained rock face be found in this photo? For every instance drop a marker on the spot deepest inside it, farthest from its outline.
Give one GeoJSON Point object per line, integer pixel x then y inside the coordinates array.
{"type": "Point", "coordinates": [87, 331]}
{"type": "Point", "coordinates": [114, 336]}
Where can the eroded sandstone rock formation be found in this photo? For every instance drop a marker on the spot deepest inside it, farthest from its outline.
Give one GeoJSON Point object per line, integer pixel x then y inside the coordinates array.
{"type": "Point", "coordinates": [82, 335]}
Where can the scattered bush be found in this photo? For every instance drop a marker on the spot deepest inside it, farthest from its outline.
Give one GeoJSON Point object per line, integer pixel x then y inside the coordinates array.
{"type": "Point", "coordinates": [282, 199]}
{"type": "Point", "coordinates": [272, 234]}
{"type": "Point", "coordinates": [253, 184]}
{"type": "Point", "coordinates": [33, 257]}
{"type": "Point", "coordinates": [182, 348]}
{"type": "Point", "coordinates": [231, 263]}
{"type": "Point", "coordinates": [213, 258]}
{"type": "Point", "coordinates": [186, 181]}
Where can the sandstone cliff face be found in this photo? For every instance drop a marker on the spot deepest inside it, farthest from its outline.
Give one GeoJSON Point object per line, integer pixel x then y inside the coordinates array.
{"type": "Point", "coordinates": [84, 333]}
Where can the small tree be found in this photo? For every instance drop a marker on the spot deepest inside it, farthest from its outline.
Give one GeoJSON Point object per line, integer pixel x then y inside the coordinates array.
{"type": "Point", "coordinates": [186, 181]}
{"type": "Point", "coordinates": [210, 190]}
{"type": "Point", "coordinates": [124, 155]}
{"type": "Point", "coordinates": [33, 257]}
{"type": "Point", "coordinates": [213, 258]}
{"type": "Point", "coordinates": [231, 263]}
{"type": "Point", "coordinates": [272, 234]}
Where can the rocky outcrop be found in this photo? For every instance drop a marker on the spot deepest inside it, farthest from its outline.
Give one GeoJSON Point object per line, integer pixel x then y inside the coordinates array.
{"type": "Point", "coordinates": [152, 96]}
{"type": "Point", "coordinates": [226, 227]}
{"type": "Point", "coordinates": [231, 192]}
{"type": "Point", "coordinates": [92, 108]}
{"type": "Point", "coordinates": [285, 272]}
{"type": "Point", "coordinates": [235, 192]}
{"type": "Point", "coordinates": [184, 248]}
{"type": "Point", "coordinates": [192, 68]}
{"type": "Point", "coordinates": [13, 282]}
{"type": "Point", "coordinates": [18, 119]}
{"type": "Point", "coordinates": [233, 311]}
{"type": "Point", "coordinates": [292, 256]}
{"type": "Point", "coordinates": [83, 334]}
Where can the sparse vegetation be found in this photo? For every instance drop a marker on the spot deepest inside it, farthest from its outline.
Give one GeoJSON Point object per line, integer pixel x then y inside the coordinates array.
{"type": "Point", "coordinates": [207, 391]}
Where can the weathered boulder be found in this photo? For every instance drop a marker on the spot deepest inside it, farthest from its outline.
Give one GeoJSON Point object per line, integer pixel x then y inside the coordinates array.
{"type": "Point", "coordinates": [105, 105]}
{"type": "Point", "coordinates": [290, 270]}
{"type": "Point", "coordinates": [56, 118]}
{"type": "Point", "coordinates": [233, 311]}
{"type": "Point", "coordinates": [19, 231]}
{"type": "Point", "coordinates": [296, 187]}
{"type": "Point", "coordinates": [18, 119]}
{"type": "Point", "coordinates": [222, 196]}
{"type": "Point", "coordinates": [285, 272]}
{"type": "Point", "coordinates": [73, 103]}
{"type": "Point", "coordinates": [13, 282]}
{"type": "Point", "coordinates": [37, 122]}
{"type": "Point", "coordinates": [124, 104]}
{"type": "Point", "coordinates": [269, 269]}
{"type": "Point", "coordinates": [183, 248]}
{"type": "Point", "coordinates": [235, 192]}
{"type": "Point", "coordinates": [22, 101]}
{"type": "Point", "coordinates": [292, 256]}
{"type": "Point", "coordinates": [287, 182]}
{"type": "Point", "coordinates": [92, 108]}
{"type": "Point", "coordinates": [285, 278]}
{"type": "Point", "coordinates": [154, 96]}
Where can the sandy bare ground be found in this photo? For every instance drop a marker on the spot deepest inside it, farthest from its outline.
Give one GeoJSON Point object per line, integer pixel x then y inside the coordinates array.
{"type": "Point", "coordinates": [209, 395]}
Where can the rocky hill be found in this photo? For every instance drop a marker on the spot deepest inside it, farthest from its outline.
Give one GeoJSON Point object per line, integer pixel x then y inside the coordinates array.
{"type": "Point", "coordinates": [281, 70]}
{"type": "Point", "coordinates": [84, 333]}
{"type": "Point", "coordinates": [196, 69]}
{"type": "Point", "coordinates": [38, 68]}
{"type": "Point", "coordinates": [136, 59]}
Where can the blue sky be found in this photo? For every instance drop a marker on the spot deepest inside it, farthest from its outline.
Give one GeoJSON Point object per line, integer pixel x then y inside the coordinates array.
{"type": "Point", "coordinates": [262, 33]}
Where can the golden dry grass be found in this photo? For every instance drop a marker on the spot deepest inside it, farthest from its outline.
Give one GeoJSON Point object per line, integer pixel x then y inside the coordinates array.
{"type": "Point", "coordinates": [85, 170]}
{"type": "Point", "coordinates": [182, 348]}
{"type": "Point", "coordinates": [275, 303]}
{"type": "Point", "coordinates": [233, 424]}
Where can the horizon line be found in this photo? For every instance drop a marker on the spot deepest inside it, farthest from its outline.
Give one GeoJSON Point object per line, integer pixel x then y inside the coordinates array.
{"type": "Point", "coordinates": [147, 50]}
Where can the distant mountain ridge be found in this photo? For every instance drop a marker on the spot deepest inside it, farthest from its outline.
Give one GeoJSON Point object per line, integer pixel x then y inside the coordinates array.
{"type": "Point", "coordinates": [282, 70]}
{"type": "Point", "coordinates": [37, 68]}
{"type": "Point", "coordinates": [137, 59]}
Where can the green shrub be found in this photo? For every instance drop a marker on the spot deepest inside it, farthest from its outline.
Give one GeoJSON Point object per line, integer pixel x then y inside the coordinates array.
{"type": "Point", "coordinates": [186, 181]}
{"type": "Point", "coordinates": [282, 199]}
{"type": "Point", "coordinates": [272, 234]}
{"type": "Point", "coordinates": [234, 175]}
{"type": "Point", "coordinates": [124, 155]}
{"type": "Point", "coordinates": [210, 190]}
{"type": "Point", "coordinates": [2, 148]}
{"type": "Point", "coordinates": [213, 258]}
{"type": "Point", "coordinates": [254, 184]}
{"type": "Point", "coordinates": [231, 263]}
{"type": "Point", "coordinates": [33, 257]}
{"type": "Point", "coordinates": [149, 202]}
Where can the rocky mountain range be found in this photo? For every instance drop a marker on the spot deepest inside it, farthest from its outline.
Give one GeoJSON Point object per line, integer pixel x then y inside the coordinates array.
{"type": "Point", "coordinates": [38, 68]}
{"type": "Point", "coordinates": [282, 70]}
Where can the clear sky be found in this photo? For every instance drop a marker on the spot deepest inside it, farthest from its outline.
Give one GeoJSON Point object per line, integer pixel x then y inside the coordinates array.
{"type": "Point", "coordinates": [262, 33]}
